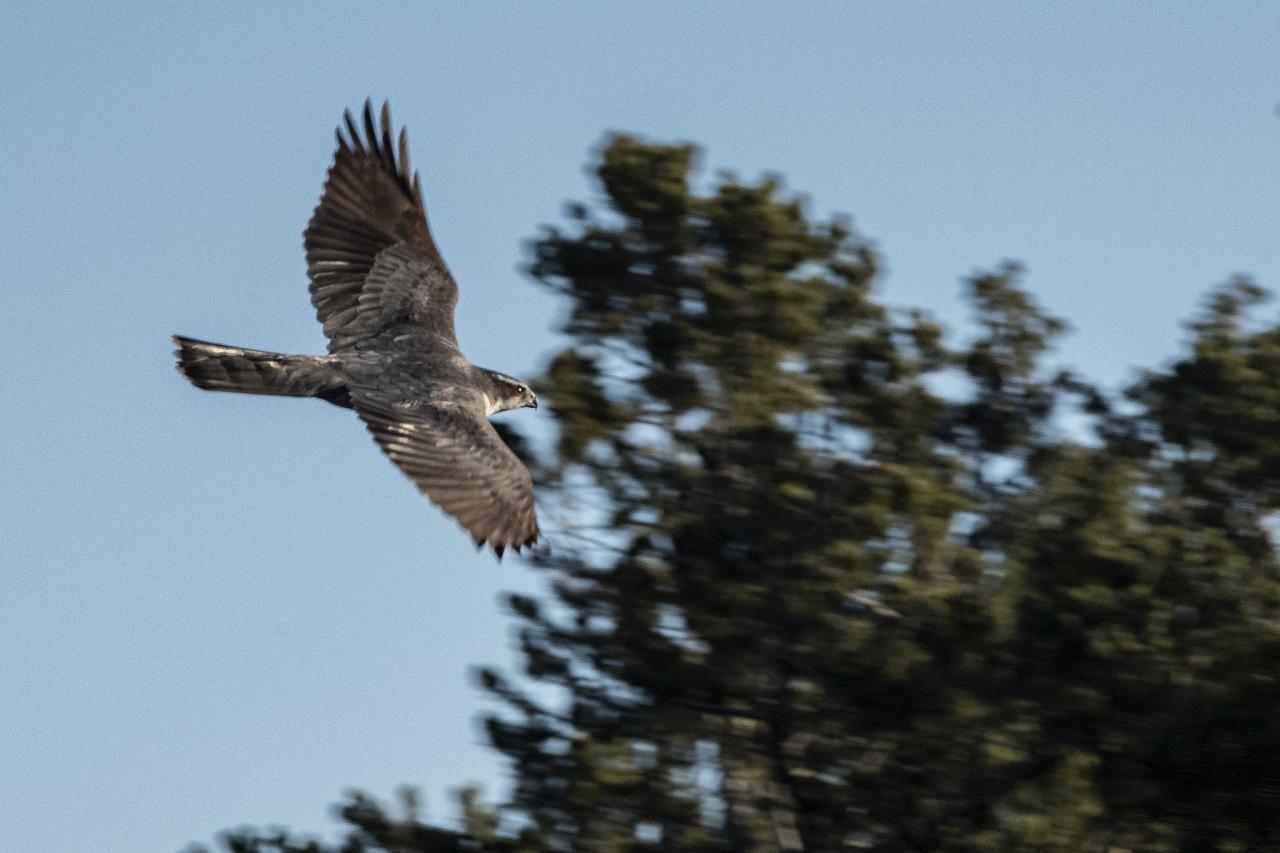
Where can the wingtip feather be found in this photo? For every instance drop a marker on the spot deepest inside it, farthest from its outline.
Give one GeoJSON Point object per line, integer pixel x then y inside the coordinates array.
{"type": "Point", "coordinates": [351, 131]}
{"type": "Point", "coordinates": [388, 151]}
{"type": "Point", "coordinates": [405, 171]}
{"type": "Point", "coordinates": [370, 132]}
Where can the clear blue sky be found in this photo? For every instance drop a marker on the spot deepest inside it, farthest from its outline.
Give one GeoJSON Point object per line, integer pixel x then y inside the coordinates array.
{"type": "Point", "coordinates": [218, 610]}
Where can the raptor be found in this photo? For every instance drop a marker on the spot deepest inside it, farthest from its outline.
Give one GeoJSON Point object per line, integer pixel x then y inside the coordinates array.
{"type": "Point", "coordinates": [386, 299]}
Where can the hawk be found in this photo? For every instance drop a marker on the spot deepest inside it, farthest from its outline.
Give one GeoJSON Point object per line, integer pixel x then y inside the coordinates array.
{"type": "Point", "coordinates": [386, 299]}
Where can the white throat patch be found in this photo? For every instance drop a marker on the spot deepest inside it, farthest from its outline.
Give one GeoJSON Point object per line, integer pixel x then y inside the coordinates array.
{"type": "Point", "coordinates": [490, 407]}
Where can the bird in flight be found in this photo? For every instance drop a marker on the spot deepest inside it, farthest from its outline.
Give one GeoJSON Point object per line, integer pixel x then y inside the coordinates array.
{"type": "Point", "coordinates": [386, 299]}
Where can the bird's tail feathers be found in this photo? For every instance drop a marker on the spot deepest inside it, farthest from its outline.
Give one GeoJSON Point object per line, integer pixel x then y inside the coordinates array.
{"type": "Point", "coordinates": [216, 367]}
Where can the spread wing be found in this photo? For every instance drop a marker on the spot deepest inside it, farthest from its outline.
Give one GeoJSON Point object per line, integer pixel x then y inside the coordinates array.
{"type": "Point", "coordinates": [371, 219]}
{"type": "Point", "coordinates": [456, 458]}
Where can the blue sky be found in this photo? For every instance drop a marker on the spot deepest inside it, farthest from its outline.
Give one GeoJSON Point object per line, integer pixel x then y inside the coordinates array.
{"type": "Point", "coordinates": [218, 610]}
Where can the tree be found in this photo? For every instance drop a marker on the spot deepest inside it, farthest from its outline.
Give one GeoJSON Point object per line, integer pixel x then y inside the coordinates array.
{"type": "Point", "coordinates": [820, 580]}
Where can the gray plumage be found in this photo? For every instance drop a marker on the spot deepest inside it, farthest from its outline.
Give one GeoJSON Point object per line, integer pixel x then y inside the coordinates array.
{"type": "Point", "coordinates": [386, 299]}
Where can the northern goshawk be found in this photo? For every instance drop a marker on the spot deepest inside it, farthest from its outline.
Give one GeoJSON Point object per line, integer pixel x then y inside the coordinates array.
{"type": "Point", "coordinates": [386, 299]}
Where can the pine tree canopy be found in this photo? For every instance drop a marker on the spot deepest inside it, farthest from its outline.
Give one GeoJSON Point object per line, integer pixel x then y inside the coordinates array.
{"type": "Point", "coordinates": [825, 576]}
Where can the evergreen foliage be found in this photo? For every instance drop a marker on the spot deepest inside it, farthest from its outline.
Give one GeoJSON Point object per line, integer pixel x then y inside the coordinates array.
{"type": "Point", "coordinates": [822, 580]}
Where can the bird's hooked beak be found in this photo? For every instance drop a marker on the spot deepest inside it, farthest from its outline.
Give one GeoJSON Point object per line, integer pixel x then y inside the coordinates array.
{"type": "Point", "coordinates": [533, 401]}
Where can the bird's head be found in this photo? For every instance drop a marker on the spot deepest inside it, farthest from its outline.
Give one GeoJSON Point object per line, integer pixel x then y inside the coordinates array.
{"type": "Point", "coordinates": [506, 392]}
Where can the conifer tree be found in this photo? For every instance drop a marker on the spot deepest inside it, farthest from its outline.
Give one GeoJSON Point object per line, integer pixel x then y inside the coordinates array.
{"type": "Point", "coordinates": [822, 580]}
